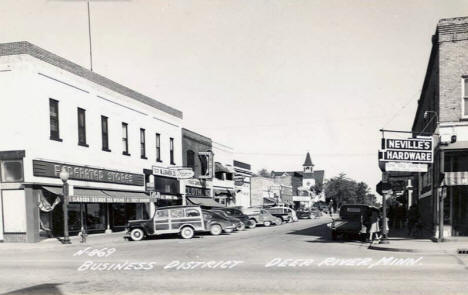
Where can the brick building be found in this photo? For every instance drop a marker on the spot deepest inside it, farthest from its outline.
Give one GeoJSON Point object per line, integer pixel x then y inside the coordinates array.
{"type": "Point", "coordinates": [443, 112]}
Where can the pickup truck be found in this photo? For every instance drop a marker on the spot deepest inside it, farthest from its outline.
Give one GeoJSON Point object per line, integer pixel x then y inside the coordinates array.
{"type": "Point", "coordinates": [261, 216]}
{"type": "Point", "coordinates": [350, 222]}
{"type": "Point", "coordinates": [282, 212]}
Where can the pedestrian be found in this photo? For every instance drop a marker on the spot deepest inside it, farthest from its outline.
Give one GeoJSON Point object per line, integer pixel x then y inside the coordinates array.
{"type": "Point", "coordinates": [413, 219]}
{"type": "Point", "coordinates": [374, 224]}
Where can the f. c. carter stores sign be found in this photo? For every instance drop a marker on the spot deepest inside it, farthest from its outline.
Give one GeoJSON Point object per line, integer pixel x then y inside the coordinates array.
{"type": "Point", "coordinates": [85, 173]}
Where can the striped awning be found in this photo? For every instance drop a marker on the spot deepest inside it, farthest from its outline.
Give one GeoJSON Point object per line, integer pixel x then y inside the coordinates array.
{"type": "Point", "coordinates": [85, 195]}
{"type": "Point", "coordinates": [456, 178]}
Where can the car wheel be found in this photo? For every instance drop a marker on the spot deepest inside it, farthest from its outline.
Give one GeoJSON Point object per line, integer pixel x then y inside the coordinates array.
{"type": "Point", "coordinates": [280, 222]}
{"type": "Point", "coordinates": [216, 229]}
{"type": "Point", "coordinates": [290, 219]}
{"type": "Point", "coordinates": [310, 216]}
{"type": "Point", "coordinates": [334, 235]}
{"type": "Point", "coordinates": [267, 223]}
{"type": "Point", "coordinates": [187, 232]}
{"type": "Point", "coordinates": [253, 223]}
{"type": "Point", "coordinates": [137, 234]}
{"type": "Point", "coordinates": [241, 226]}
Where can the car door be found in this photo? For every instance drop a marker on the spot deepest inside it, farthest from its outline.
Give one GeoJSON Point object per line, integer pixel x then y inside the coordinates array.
{"type": "Point", "coordinates": [177, 217]}
{"type": "Point", "coordinates": [161, 221]}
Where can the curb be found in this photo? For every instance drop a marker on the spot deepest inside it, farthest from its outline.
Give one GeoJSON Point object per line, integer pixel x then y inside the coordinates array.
{"type": "Point", "coordinates": [407, 250]}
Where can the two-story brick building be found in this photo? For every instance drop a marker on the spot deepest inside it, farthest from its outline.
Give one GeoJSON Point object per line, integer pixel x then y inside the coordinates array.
{"type": "Point", "coordinates": [105, 135]}
{"type": "Point", "coordinates": [443, 111]}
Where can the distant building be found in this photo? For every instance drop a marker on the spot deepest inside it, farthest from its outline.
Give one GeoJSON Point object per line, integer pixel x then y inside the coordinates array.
{"type": "Point", "coordinates": [242, 177]}
{"type": "Point", "coordinates": [303, 183]}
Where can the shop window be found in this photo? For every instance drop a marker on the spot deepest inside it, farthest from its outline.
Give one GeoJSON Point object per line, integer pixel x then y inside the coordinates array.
{"type": "Point", "coordinates": [191, 159]}
{"type": "Point", "coordinates": [54, 120]}
{"type": "Point", "coordinates": [229, 176]}
{"type": "Point", "coordinates": [95, 216]}
{"type": "Point", "coordinates": [105, 133]}
{"type": "Point", "coordinates": [142, 143]}
{"type": "Point", "coordinates": [192, 213]}
{"type": "Point", "coordinates": [177, 213]}
{"type": "Point", "coordinates": [82, 127]}
{"type": "Point", "coordinates": [204, 164]}
{"type": "Point", "coordinates": [125, 139]}
{"type": "Point", "coordinates": [158, 147]}
{"type": "Point", "coordinates": [12, 170]}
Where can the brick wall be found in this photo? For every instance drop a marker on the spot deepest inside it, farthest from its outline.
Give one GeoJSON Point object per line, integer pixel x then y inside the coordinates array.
{"type": "Point", "coordinates": [196, 143]}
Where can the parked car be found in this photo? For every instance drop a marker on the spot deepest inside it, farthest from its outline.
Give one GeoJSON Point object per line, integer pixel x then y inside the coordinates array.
{"type": "Point", "coordinates": [350, 221]}
{"type": "Point", "coordinates": [236, 213]}
{"type": "Point", "coordinates": [238, 224]}
{"type": "Point", "coordinates": [216, 223]}
{"type": "Point", "coordinates": [305, 213]}
{"type": "Point", "coordinates": [281, 212]}
{"type": "Point", "coordinates": [261, 216]}
{"type": "Point", "coordinates": [184, 220]}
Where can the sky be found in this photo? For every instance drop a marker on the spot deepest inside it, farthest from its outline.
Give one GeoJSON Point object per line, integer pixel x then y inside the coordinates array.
{"type": "Point", "coordinates": [273, 79]}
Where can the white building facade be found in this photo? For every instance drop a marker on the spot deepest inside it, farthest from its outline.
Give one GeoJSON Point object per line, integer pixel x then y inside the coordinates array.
{"type": "Point", "coordinates": [56, 115]}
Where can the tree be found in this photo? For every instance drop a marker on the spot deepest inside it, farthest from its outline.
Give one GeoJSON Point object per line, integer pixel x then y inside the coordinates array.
{"type": "Point", "coordinates": [343, 190]}
{"type": "Point", "coordinates": [264, 173]}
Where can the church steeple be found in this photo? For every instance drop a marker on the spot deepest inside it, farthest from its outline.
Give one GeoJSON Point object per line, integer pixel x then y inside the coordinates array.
{"type": "Point", "coordinates": [308, 165]}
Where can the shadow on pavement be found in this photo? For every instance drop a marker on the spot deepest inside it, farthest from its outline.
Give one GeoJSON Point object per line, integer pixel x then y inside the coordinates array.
{"type": "Point", "coordinates": [323, 234]}
{"type": "Point", "coordinates": [49, 289]}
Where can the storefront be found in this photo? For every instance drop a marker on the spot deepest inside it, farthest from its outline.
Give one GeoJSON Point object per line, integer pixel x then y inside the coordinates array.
{"type": "Point", "coordinates": [224, 196]}
{"type": "Point", "coordinates": [162, 184]}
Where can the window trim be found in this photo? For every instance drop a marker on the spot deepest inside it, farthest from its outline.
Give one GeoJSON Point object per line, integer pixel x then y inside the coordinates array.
{"type": "Point", "coordinates": [105, 148]}
{"type": "Point", "coordinates": [464, 96]}
{"type": "Point", "coordinates": [82, 143]}
{"type": "Point", "coordinates": [143, 143]}
{"type": "Point", "coordinates": [158, 148]}
{"type": "Point", "coordinates": [126, 151]}
{"type": "Point", "coordinates": [171, 151]}
{"type": "Point", "coordinates": [51, 136]}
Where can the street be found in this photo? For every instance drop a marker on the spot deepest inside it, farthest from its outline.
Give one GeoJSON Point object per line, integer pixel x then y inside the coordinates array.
{"type": "Point", "coordinates": [295, 258]}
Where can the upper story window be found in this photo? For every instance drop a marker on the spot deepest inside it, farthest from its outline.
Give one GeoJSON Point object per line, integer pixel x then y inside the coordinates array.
{"type": "Point", "coordinates": [11, 171]}
{"type": "Point", "coordinates": [54, 119]}
{"type": "Point", "coordinates": [82, 127]}
{"type": "Point", "coordinates": [171, 143]}
{"type": "Point", "coordinates": [191, 159]}
{"type": "Point", "coordinates": [142, 143]}
{"type": "Point", "coordinates": [158, 147]}
{"type": "Point", "coordinates": [105, 133]}
{"type": "Point", "coordinates": [465, 97]}
{"type": "Point", "coordinates": [125, 139]}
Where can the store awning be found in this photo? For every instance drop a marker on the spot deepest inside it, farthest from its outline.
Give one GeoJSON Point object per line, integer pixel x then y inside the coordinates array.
{"type": "Point", "coordinates": [54, 190]}
{"type": "Point", "coordinates": [129, 197]}
{"type": "Point", "coordinates": [269, 201]}
{"type": "Point", "coordinates": [456, 178]}
{"type": "Point", "coordinates": [220, 168]}
{"type": "Point", "coordinates": [82, 195]}
{"type": "Point", "coordinates": [206, 202]}
{"type": "Point", "coordinates": [226, 192]}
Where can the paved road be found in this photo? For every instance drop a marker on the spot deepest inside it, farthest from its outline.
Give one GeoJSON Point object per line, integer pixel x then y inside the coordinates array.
{"type": "Point", "coordinates": [295, 258]}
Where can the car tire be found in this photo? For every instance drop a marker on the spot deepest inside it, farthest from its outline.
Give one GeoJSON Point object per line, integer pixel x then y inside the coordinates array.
{"type": "Point", "coordinates": [334, 235]}
{"type": "Point", "coordinates": [253, 223]}
{"type": "Point", "coordinates": [137, 234]}
{"type": "Point", "coordinates": [290, 219]}
{"type": "Point", "coordinates": [216, 229]}
{"type": "Point", "coordinates": [310, 216]}
{"type": "Point", "coordinates": [241, 226]}
{"type": "Point", "coordinates": [267, 223]}
{"type": "Point", "coordinates": [187, 232]}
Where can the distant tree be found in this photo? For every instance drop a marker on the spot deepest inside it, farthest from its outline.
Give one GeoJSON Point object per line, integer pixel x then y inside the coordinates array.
{"type": "Point", "coordinates": [317, 188]}
{"type": "Point", "coordinates": [342, 189]}
{"type": "Point", "coordinates": [264, 172]}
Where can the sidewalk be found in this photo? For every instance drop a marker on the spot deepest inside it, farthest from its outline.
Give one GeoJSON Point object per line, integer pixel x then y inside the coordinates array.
{"type": "Point", "coordinates": [50, 243]}
{"type": "Point", "coordinates": [400, 242]}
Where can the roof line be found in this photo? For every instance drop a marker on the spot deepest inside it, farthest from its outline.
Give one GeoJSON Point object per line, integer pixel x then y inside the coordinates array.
{"type": "Point", "coordinates": [24, 47]}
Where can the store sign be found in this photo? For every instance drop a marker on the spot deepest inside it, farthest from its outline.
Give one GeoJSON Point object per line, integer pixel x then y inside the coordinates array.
{"type": "Point", "coordinates": [414, 150]}
{"type": "Point", "coordinates": [405, 167]}
{"type": "Point", "coordinates": [86, 173]}
{"type": "Point", "coordinates": [207, 158]}
{"type": "Point", "coordinates": [184, 173]}
{"type": "Point", "coordinates": [191, 191]}
{"type": "Point", "coordinates": [166, 172]}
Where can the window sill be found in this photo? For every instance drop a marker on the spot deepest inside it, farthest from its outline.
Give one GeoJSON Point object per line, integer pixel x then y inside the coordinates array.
{"type": "Point", "coordinates": [106, 150]}
{"type": "Point", "coordinates": [83, 144]}
{"type": "Point", "coordinates": [56, 139]}
{"type": "Point", "coordinates": [125, 154]}
{"type": "Point", "coordinates": [144, 157]}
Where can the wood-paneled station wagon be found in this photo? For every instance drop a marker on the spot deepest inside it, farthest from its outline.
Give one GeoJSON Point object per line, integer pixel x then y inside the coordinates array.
{"type": "Point", "coordinates": [184, 220]}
